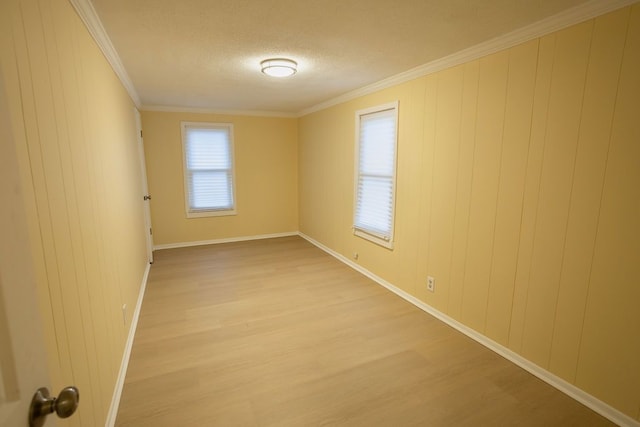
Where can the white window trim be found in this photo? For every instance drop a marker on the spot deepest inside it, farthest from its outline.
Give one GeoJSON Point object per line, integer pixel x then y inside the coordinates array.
{"type": "Point", "coordinates": [367, 234]}
{"type": "Point", "coordinates": [185, 178]}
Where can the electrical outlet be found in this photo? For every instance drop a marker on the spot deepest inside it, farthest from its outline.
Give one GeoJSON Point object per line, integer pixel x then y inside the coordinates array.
{"type": "Point", "coordinates": [431, 284]}
{"type": "Point", "coordinates": [355, 255]}
{"type": "Point", "coordinates": [124, 314]}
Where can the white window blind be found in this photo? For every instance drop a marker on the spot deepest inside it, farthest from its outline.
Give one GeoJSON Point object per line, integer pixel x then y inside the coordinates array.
{"type": "Point", "coordinates": [208, 166]}
{"type": "Point", "coordinates": [375, 173]}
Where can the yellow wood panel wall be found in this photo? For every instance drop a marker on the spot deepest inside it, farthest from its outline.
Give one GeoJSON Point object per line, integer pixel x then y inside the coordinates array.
{"type": "Point", "coordinates": [463, 188]}
{"type": "Point", "coordinates": [610, 348]}
{"type": "Point", "coordinates": [563, 119]}
{"type": "Point", "coordinates": [266, 172]}
{"type": "Point", "coordinates": [518, 191]}
{"type": "Point", "coordinates": [444, 177]}
{"type": "Point", "coordinates": [600, 90]}
{"type": "Point", "coordinates": [75, 131]}
{"type": "Point", "coordinates": [492, 89]}
{"type": "Point", "coordinates": [513, 162]}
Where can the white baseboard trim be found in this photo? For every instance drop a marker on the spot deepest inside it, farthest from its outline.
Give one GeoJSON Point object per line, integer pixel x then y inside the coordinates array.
{"type": "Point", "coordinates": [117, 392]}
{"type": "Point", "coordinates": [569, 389]}
{"type": "Point", "coordinates": [226, 240]}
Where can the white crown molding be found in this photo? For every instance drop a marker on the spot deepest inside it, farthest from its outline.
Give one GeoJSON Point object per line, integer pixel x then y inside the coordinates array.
{"type": "Point", "coordinates": [88, 14]}
{"type": "Point", "coordinates": [569, 389]}
{"type": "Point", "coordinates": [575, 15]}
{"type": "Point", "coordinates": [548, 25]}
{"type": "Point", "coordinates": [257, 113]}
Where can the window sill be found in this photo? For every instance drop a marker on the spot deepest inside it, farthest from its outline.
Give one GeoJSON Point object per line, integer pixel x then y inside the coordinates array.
{"type": "Point", "coordinates": [204, 214]}
{"type": "Point", "coordinates": [375, 239]}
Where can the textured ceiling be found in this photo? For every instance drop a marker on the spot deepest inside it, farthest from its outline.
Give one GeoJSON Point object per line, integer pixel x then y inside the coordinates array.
{"type": "Point", "coordinates": [206, 53]}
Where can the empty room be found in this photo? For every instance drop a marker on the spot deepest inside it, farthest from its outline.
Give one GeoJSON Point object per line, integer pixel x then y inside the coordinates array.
{"type": "Point", "coordinates": [336, 212]}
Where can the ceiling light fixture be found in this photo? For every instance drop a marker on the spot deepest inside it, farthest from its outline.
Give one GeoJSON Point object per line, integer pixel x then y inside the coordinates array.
{"type": "Point", "coordinates": [279, 67]}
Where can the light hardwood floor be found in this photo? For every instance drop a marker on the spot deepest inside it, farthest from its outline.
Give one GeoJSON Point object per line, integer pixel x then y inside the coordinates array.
{"type": "Point", "coordinates": [278, 333]}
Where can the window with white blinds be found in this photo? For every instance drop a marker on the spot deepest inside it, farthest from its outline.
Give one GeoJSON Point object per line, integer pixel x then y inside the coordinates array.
{"type": "Point", "coordinates": [208, 169]}
{"type": "Point", "coordinates": [376, 146]}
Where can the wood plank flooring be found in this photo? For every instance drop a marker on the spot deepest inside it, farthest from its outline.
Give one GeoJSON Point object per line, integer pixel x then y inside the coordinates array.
{"type": "Point", "coordinates": [277, 333]}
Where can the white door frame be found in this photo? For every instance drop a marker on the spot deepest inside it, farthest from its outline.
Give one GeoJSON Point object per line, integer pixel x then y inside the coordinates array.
{"type": "Point", "coordinates": [145, 188]}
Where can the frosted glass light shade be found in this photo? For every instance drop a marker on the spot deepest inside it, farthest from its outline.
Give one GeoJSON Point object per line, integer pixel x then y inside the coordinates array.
{"type": "Point", "coordinates": [279, 67]}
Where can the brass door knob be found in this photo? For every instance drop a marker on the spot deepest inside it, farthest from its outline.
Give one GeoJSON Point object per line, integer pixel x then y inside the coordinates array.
{"type": "Point", "coordinates": [42, 404]}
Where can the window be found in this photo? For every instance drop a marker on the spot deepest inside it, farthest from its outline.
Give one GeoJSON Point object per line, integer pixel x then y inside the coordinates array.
{"type": "Point", "coordinates": [208, 169]}
{"type": "Point", "coordinates": [376, 146]}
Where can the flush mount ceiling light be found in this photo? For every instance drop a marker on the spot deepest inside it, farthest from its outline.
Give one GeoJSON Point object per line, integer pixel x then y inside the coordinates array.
{"type": "Point", "coordinates": [279, 67]}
